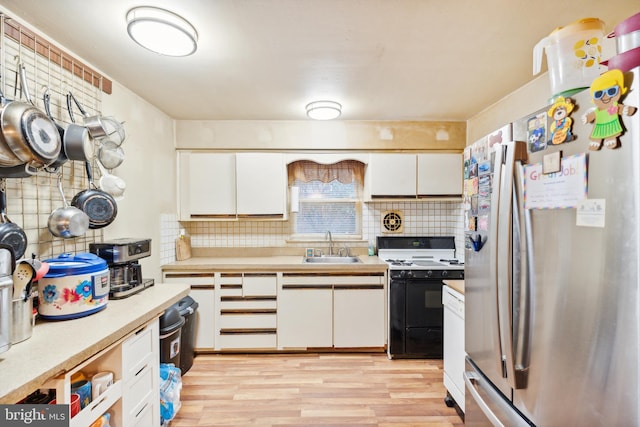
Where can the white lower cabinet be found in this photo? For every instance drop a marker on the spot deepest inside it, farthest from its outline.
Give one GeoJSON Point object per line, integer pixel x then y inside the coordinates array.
{"type": "Point", "coordinates": [134, 397]}
{"type": "Point", "coordinates": [305, 313]}
{"type": "Point", "coordinates": [358, 316]}
{"type": "Point", "coordinates": [203, 292]}
{"type": "Point", "coordinates": [246, 311]}
{"type": "Point", "coordinates": [453, 344]}
{"type": "Point", "coordinates": [316, 310]}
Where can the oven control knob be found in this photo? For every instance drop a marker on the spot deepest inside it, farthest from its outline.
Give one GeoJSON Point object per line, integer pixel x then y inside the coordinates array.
{"type": "Point", "coordinates": [429, 273]}
{"type": "Point", "coordinates": [409, 273]}
{"type": "Point", "coordinates": [444, 273]}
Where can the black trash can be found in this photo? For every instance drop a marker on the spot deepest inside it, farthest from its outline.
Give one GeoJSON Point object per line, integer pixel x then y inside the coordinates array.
{"type": "Point", "coordinates": [171, 323]}
{"type": "Point", "coordinates": [187, 308]}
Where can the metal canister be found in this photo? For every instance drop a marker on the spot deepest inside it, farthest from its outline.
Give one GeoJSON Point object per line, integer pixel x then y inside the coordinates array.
{"type": "Point", "coordinates": [7, 264]}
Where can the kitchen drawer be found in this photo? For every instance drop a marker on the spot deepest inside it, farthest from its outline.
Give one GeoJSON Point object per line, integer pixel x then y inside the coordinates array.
{"type": "Point", "coordinates": [241, 303]}
{"type": "Point", "coordinates": [247, 320]}
{"type": "Point", "coordinates": [259, 284]}
{"type": "Point", "coordinates": [189, 278]}
{"type": "Point", "coordinates": [138, 389]}
{"type": "Point", "coordinates": [232, 340]}
{"type": "Point", "coordinates": [142, 416]}
{"type": "Point", "coordinates": [230, 290]}
{"type": "Point", "coordinates": [136, 349]}
{"type": "Point", "coordinates": [453, 300]}
{"type": "Point", "coordinates": [99, 406]}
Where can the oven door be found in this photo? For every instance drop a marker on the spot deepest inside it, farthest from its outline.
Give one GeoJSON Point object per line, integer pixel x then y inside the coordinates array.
{"type": "Point", "coordinates": [424, 317]}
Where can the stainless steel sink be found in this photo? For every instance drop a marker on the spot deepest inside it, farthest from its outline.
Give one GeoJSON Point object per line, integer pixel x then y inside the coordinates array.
{"type": "Point", "coordinates": [332, 259]}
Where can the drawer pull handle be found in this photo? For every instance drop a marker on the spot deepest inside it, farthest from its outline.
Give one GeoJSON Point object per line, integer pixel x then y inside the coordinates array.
{"type": "Point", "coordinates": [141, 369]}
{"type": "Point", "coordinates": [142, 409]}
{"type": "Point", "coordinates": [95, 405]}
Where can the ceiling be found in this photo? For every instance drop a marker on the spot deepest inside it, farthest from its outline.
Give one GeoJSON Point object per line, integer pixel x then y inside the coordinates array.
{"type": "Point", "coordinates": [266, 59]}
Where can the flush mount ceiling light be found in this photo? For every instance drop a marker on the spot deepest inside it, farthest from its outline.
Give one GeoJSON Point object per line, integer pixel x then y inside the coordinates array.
{"type": "Point", "coordinates": [324, 110]}
{"type": "Point", "coordinates": [161, 31]}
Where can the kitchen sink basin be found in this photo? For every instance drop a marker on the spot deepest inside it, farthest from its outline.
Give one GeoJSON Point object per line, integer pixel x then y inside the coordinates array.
{"type": "Point", "coordinates": [332, 259]}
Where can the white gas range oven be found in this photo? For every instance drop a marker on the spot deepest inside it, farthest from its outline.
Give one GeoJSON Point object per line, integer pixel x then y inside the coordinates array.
{"type": "Point", "coordinates": [417, 268]}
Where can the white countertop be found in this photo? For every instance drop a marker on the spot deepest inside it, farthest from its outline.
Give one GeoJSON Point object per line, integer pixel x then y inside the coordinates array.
{"type": "Point", "coordinates": [58, 346]}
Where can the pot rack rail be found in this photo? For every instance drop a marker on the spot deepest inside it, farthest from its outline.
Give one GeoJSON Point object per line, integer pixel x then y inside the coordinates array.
{"type": "Point", "coordinates": [30, 201]}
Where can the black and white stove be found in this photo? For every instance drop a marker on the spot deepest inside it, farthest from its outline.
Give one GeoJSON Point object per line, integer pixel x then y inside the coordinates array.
{"type": "Point", "coordinates": [417, 268]}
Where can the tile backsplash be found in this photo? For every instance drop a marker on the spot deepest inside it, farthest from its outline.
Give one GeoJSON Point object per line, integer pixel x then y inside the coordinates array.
{"type": "Point", "coordinates": [421, 218]}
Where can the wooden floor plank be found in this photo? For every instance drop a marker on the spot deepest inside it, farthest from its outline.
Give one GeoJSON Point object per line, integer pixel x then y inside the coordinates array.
{"type": "Point", "coordinates": [329, 390]}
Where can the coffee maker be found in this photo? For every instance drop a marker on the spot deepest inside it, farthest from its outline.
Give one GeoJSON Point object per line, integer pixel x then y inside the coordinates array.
{"type": "Point", "coordinates": [125, 272]}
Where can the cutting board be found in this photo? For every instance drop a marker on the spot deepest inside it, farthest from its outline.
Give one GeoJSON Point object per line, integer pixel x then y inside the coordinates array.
{"type": "Point", "coordinates": [183, 248]}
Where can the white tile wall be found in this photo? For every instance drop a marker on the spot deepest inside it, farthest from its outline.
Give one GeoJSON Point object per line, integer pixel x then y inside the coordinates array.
{"type": "Point", "coordinates": [421, 218]}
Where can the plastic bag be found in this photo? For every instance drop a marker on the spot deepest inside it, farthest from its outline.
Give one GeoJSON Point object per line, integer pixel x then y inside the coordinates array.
{"type": "Point", "coordinates": [170, 386]}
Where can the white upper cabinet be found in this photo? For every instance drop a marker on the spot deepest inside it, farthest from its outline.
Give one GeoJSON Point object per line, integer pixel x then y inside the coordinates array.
{"type": "Point", "coordinates": [440, 174]}
{"type": "Point", "coordinates": [261, 184]}
{"type": "Point", "coordinates": [231, 185]}
{"type": "Point", "coordinates": [206, 185]}
{"type": "Point", "coordinates": [392, 175]}
{"type": "Point", "coordinates": [414, 176]}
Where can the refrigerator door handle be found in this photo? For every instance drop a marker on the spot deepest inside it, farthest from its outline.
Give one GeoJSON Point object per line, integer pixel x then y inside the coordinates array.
{"type": "Point", "coordinates": [477, 386]}
{"type": "Point", "coordinates": [492, 238]}
{"type": "Point", "coordinates": [523, 293]}
{"type": "Point", "coordinates": [515, 153]}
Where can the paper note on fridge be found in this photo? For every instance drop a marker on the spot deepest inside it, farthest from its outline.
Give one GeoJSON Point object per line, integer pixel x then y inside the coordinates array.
{"type": "Point", "coordinates": [558, 190]}
{"type": "Point", "coordinates": [590, 213]}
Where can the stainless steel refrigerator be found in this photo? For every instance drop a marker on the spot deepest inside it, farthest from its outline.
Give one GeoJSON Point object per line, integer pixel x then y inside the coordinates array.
{"type": "Point", "coordinates": [552, 274]}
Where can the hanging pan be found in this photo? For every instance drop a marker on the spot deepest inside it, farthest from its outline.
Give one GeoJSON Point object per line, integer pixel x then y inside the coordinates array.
{"type": "Point", "coordinates": [27, 131]}
{"type": "Point", "coordinates": [77, 138]}
{"type": "Point", "coordinates": [101, 207]}
{"type": "Point", "coordinates": [67, 221]}
{"type": "Point", "coordinates": [93, 123]}
{"type": "Point", "coordinates": [10, 234]}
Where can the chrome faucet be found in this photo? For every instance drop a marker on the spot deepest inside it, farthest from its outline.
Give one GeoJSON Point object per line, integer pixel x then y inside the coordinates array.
{"type": "Point", "coordinates": [327, 236]}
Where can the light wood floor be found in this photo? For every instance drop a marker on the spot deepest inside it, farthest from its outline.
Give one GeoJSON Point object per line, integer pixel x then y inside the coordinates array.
{"type": "Point", "coordinates": [314, 389]}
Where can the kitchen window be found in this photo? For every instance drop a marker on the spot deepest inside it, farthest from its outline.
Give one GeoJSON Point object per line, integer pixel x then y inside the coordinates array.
{"type": "Point", "coordinates": [329, 198]}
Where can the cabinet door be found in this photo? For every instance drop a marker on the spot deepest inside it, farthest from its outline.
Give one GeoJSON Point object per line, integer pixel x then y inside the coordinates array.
{"type": "Point", "coordinates": [261, 184]}
{"type": "Point", "coordinates": [358, 316]}
{"type": "Point", "coordinates": [207, 185]}
{"type": "Point", "coordinates": [305, 315]}
{"type": "Point", "coordinates": [440, 174]}
{"type": "Point", "coordinates": [392, 175]}
{"type": "Point", "coordinates": [203, 292]}
{"type": "Point", "coordinates": [204, 295]}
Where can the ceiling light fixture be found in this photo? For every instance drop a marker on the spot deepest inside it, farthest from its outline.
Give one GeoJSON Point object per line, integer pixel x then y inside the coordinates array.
{"type": "Point", "coordinates": [161, 31]}
{"type": "Point", "coordinates": [324, 110]}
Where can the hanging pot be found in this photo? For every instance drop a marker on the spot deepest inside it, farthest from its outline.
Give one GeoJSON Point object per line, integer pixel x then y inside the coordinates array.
{"type": "Point", "coordinates": [20, 171]}
{"type": "Point", "coordinates": [67, 221]}
{"type": "Point", "coordinates": [28, 132]}
{"type": "Point", "coordinates": [78, 142]}
{"type": "Point", "coordinates": [98, 205]}
{"type": "Point", "coordinates": [93, 123]}
{"type": "Point", "coordinates": [10, 234]}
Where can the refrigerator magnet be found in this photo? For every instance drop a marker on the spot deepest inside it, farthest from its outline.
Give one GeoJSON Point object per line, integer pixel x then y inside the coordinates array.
{"type": "Point", "coordinates": [551, 162]}
{"type": "Point", "coordinates": [537, 132]}
{"type": "Point", "coordinates": [591, 213]}
{"type": "Point", "coordinates": [560, 128]}
{"type": "Point", "coordinates": [606, 91]}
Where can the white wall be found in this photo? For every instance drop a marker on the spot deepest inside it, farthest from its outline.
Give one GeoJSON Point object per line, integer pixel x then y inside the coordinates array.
{"type": "Point", "coordinates": [149, 170]}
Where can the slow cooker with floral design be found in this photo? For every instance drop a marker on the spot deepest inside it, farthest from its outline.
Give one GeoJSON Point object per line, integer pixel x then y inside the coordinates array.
{"type": "Point", "coordinates": [75, 286]}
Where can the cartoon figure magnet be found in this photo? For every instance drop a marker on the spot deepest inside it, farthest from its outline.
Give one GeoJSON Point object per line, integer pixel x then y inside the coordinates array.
{"type": "Point", "coordinates": [560, 128]}
{"type": "Point", "coordinates": [606, 92]}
